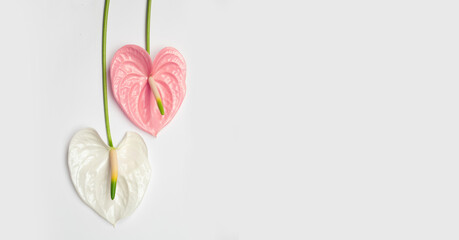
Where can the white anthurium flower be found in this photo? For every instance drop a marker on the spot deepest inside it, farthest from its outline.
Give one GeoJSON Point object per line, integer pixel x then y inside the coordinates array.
{"type": "Point", "coordinates": [92, 163]}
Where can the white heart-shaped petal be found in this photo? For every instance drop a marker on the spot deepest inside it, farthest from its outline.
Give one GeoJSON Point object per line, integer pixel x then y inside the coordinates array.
{"type": "Point", "coordinates": [90, 172]}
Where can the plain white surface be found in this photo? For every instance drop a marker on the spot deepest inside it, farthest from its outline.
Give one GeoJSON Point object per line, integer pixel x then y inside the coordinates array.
{"type": "Point", "coordinates": [303, 119]}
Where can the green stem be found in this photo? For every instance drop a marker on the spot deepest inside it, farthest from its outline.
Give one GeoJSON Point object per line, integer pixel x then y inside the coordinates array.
{"type": "Point", "coordinates": [148, 26]}
{"type": "Point", "coordinates": [104, 72]}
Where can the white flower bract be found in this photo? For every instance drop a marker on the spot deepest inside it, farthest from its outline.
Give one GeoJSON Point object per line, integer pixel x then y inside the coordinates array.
{"type": "Point", "coordinates": [89, 166]}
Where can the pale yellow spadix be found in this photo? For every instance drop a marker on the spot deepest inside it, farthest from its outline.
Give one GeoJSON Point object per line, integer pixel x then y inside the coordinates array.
{"type": "Point", "coordinates": [114, 171]}
{"type": "Point", "coordinates": [154, 88]}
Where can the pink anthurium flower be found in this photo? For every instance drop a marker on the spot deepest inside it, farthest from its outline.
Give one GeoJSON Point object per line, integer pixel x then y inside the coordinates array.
{"type": "Point", "coordinates": [149, 92]}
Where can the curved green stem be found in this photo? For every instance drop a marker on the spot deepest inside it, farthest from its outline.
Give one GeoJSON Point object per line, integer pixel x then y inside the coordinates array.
{"type": "Point", "coordinates": [147, 47]}
{"type": "Point", "coordinates": [148, 27]}
{"type": "Point", "coordinates": [104, 72]}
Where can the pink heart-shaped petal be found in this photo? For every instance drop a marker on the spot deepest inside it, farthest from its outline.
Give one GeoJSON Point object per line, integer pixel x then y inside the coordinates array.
{"type": "Point", "coordinates": [129, 72]}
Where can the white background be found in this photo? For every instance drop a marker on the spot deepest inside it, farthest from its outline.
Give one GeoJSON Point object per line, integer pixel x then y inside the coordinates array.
{"type": "Point", "coordinates": [302, 120]}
